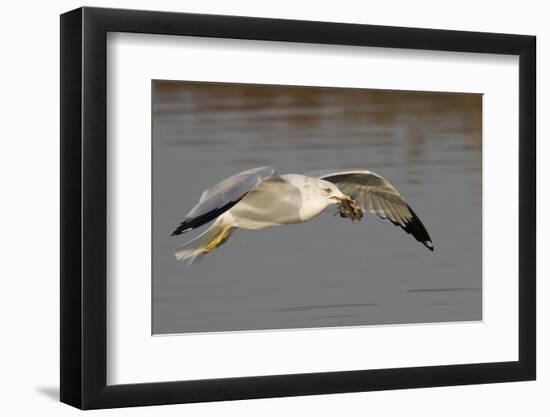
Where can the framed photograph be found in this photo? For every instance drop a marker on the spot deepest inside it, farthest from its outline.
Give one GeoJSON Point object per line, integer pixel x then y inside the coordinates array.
{"type": "Point", "coordinates": [260, 208]}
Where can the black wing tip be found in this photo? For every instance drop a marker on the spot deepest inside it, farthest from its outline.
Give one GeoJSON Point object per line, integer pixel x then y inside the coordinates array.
{"type": "Point", "coordinates": [191, 223]}
{"type": "Point", "coordinates": [415, 227]}
{"type": "Point", "coordinates": [182, 228]}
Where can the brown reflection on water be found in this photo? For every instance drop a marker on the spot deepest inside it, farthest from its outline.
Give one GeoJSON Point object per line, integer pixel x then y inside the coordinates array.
{"type": "Point", "coordinates": [282, 117]}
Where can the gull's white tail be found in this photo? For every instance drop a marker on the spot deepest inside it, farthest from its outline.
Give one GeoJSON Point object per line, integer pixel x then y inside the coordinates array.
{"type": "Point", "coordinates": [215, 236]}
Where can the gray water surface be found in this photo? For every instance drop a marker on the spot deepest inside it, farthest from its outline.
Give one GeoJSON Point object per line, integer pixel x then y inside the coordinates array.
{"type": "Point", "coordinates": [327, 272]}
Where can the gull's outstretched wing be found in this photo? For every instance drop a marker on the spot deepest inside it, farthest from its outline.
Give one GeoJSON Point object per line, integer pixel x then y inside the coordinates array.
{"type": "Point", "coordinates": [222, 196]}
{"type": "Point", "coordinates": [377, 196]}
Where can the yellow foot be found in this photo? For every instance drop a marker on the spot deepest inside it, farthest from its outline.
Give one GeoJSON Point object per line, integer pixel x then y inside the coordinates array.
{"type": "Point", "coordinates": [218, 240]}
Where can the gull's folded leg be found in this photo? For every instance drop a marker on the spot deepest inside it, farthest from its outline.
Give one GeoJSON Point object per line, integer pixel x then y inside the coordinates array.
{"type": "Point", "coordinates": [215, 236]}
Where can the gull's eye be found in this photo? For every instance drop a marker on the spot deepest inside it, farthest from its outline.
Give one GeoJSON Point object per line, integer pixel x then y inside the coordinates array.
{"type": "Point", "coordinates": [327, 190]}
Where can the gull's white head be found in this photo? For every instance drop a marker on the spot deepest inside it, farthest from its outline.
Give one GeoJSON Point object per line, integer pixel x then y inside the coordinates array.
{"type": "Point", "coordinates": [329, 191]}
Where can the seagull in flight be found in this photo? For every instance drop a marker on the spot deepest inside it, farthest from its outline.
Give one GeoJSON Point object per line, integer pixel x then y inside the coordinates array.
{"type": "Point", "coordinates": [259, 199]}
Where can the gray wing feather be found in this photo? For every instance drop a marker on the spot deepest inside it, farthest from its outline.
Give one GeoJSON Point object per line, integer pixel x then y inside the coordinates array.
{"type": "Point", "coordinates": [376, 195]}
{"type": "Point", "coordinates": [221, 197]}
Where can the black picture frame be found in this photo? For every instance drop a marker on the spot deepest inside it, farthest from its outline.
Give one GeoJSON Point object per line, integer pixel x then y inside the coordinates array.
{"type": "Point", "coordinates": [84, 209]}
